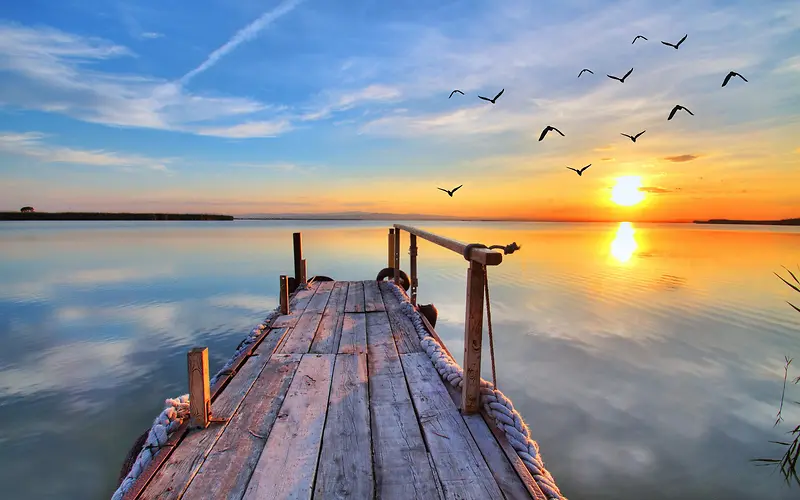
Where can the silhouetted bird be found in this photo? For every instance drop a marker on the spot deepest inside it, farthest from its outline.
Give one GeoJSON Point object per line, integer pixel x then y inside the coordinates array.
{"type": "Point", "coordinates": [731, 75]}
{"type": "Point", "coordinates": [453, 92]}
{"type": "Point", "coordinates": [622, 80]}
{"type": "Point", "coordinates": [675, 110]}
{"type": "Point", "coordinates": [580, 172]}
{"type": "Point", "coordinates": [634, 137]}
{"type": "Point", "coordinates": [677, 44]}
{"type": "Point", "coordinates": [586, 70]}
{"type": "Point", "coordinates": [495, 97]}
{"type": "Point", "coordinates": [451, 191]}
{"type": "Point", "coordinates": [638, 37]}
{"type": "Point", "coordinates": [548, 129]}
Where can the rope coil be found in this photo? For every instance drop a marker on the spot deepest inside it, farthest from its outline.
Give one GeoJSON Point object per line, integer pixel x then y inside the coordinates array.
{"type": "Point", "coordinates": [494, 402]}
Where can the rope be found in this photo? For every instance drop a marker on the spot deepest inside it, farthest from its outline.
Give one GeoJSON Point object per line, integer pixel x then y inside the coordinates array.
{"type": "Point", "coordinates": [495, 403]}
{"type": "Point", "coordinates": [489, 321]}
{"type": "Point", "coordinates": [177, 411]}
{"type": "Point", "coordinates": [507, 249]}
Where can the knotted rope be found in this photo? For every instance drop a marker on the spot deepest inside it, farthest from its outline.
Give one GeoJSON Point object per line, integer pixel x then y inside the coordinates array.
{"type": "Point", "coordinates": [494, 402]}
{"type": "Point", "coordinates": [177, 411]}
{"type": "Point", "coordinates": [507, 249]}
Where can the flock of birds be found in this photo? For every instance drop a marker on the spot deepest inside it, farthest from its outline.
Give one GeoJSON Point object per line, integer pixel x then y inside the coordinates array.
{"type": "Point", "coordinates": [622, 79]}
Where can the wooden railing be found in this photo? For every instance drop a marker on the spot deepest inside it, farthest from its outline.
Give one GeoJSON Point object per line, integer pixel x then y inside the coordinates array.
{"type": "Point", "coordinates": [478, 259]}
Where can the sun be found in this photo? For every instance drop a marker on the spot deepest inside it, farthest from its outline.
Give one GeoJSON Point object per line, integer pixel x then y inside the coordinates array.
{"type": "Point", "coordinates": [626, 191]}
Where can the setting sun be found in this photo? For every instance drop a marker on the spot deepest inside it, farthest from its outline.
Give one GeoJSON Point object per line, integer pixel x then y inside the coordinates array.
{"type": "Point", "coordinates": [626, 191]}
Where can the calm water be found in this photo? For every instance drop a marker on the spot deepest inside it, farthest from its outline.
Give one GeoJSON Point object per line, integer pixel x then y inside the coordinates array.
{"type": "Point", "coordinates": [647, 359]}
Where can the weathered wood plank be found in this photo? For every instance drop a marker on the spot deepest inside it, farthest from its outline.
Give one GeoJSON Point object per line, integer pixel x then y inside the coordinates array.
{"type": "Point", "coordinates": [228, 467]}
{"type": "Point", "coordinates": [403, 331]}
{"type": "Point", "coordinates": [354, 334]}
{"type": "Point", "coordinates": [345, 464]}
{"type": "Point", "coordinates": [355, 297]}
{"type": "Point", "coordinates": [297, 306]}
{"type": "Point", "coordinates": [176, 473]}
{"type": "Point", "coordinates": [372, 297]}
{"type": "Point", "coordinates": [461, 467]}
{"type": "Point", "coordinates": [401, 465]}
{"type": "Point", "coordinates": [326, 340]}
{"type": "Point", "coordinates": [320, 298]}
{"type": "Point", "coordinates": [288, 463]}
{"type": "Point", "coordinates": [299, 338]}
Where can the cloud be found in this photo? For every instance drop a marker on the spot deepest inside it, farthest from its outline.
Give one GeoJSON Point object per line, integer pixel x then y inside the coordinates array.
{"type": "Point", "coordinates": [245, 34]}
{"type": "Point", "coordinates": [654, 189]}
{"type": "Point", "coordinates": [151, 35]}
{"type": "Point", "coordinates": [606, 159]}
{"type": "Point", "coordinates": [31, 144]}
{"type": "Point", "coordinates": [681, 158]}
{"type": "Point", "coordinates": [349, 99]}
{"type": "Point", "coordinates": [248, 129]}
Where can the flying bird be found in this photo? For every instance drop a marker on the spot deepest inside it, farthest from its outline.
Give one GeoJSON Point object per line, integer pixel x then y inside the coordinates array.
{"type": "Point", "coordinates": [634, 137]}
{"type": "Point", "coordinates": [677, 44]}
{"type": "Point", "coordinates": [638, 37]}
{"type": "Point", "coordinates": [622, 80]}
{"type": "Point", "coordinates": [453, 92]}
{"type": "Point", "coordinates": [495, 97]}
{"type": "Point", "coordinates": [731, 75]}
{"type": "Point", "coordinates": [675, 110]}
{"type": "Point", "coordinates": [548, 129]}
{"type": "Point", "coordinates": [580, 172]}
{"type": "Point", "coordinates": [450, 192]}
{"type": "Point", "coordinates": [586, 70]}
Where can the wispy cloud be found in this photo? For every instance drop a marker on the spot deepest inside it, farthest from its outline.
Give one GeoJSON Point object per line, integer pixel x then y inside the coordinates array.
{"type": "Point", "coordinates": [245, 34]}
{"type": "Point", "coordinates": [31, 144]}
{"type": "Point", "coordinates": [654, 189]}
{"type": "Point", "coordinates": [349, 99]}
{"type": "Point", "coordinates": [681, 158]}
{"type": "Point", "coordinates": [151, 35]}
{"type": "Point", "coordinates": [248, 129]}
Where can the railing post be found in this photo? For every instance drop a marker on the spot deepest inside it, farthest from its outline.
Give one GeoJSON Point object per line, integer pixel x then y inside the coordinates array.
{"type": "Point", "coordinates": [390, 260]}
{"type": "Point", "coordinates": [303, 271]}
{"type": "Point", "coordinates": [284, 300]}
{"type": "Point", "coordinates": [412, 251]}
{"type": "Point", "coordinates": [396, 256]}
{"type": "Point", "coordinates": [298, 257]}
{"type": "Point", "coordinates": [473, 340]}
{"type": "Point", "coordinates": [199, 390]}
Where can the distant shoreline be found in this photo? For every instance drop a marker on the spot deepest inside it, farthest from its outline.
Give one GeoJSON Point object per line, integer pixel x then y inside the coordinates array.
{"type": "Point", "coordinates": [782, 222]}
{"type": "Point", "coordinates": [110, 216]}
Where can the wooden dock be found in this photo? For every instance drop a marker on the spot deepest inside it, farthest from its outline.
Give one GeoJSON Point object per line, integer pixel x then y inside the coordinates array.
{"type": "Point", "coordinates": [337, 399]}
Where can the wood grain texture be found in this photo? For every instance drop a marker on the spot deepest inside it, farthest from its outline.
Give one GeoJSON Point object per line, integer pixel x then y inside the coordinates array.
{"type": "Point", "coordinates": [326, 340]}
{"type": "Point", "coordinates": [297, 306]}
{"type": "Point", "coordinates": [345, 464]}
{"type": "Point", "coordinates": [402, 468]}
{"type": "Point", "coordinates": [481, 255]}
{"type": "Point", "coordinates": [473, 340]}
{"type": "Point", "coordinates": [299, 338]}
{"type": "Point", "coordinates": [372, 297]}
{"type": "Point", "coordinates": [354, 334]}
{"type": "Point", "coordinates": [228, 467]}
{"type": "Point", "coordinates": [199, 388]}
{"type": "Point", "coordinates": [355, 297]}
{"type": "Point", "coordinates": [463, 471]}
{"type": "Point", "coordinates": [403, 331]}
{"type": "Point", "coordinates": [288, 463]}
{"type": "Point", "coordinates": [320, 298]}
{"type": "Point", "coordinates": [175, 474]}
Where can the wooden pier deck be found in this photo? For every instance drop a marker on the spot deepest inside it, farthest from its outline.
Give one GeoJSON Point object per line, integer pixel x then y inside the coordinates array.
{"type": "Point", "coordinates": [338, 400]}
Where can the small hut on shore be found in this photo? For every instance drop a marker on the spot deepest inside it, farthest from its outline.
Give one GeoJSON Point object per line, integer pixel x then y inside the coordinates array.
{"type": "Point", "coordinates": [26, 209]}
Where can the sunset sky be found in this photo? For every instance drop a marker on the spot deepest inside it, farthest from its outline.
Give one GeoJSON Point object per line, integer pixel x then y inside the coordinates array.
{"type": "Point", "coordinates": [252, 106]}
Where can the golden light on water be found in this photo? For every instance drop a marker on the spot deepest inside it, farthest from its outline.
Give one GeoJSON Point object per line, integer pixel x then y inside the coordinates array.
{"type": "Point", "coordinates": [624, 244]}
{"type": "Point", "coordinates": [626, 191]}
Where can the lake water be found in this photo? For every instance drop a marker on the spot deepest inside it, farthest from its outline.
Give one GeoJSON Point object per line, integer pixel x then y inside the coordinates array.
{"type": "Point", "coordinates": [647, 359]}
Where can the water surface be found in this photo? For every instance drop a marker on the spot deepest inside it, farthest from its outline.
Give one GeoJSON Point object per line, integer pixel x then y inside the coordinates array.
{"type": "Point", "coordinates": [647, 359]}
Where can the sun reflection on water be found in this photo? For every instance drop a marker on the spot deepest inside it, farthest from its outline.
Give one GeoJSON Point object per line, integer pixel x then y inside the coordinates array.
{"type": "Point", "coordinates": [624, 245]}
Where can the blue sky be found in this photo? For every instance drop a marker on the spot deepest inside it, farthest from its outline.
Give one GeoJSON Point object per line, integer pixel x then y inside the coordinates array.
{"type": "Point", "coordinates": [252, 106]}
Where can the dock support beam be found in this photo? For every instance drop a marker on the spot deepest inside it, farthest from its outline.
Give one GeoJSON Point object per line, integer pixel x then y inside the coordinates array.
{"type": "Point", "coordinates": [199, 389]}
{"type": "Point", "coordinates": [390, 260]}
{"type": "Point", "coordinates": [299, 275]}
{"type": "Point", "coordinates": [473, 340]}
{"type": "Point", "coordinates": [396, 257]}
{"type": "Point", "coordinates": [303, 272]}
{"type": "Point", "coordinates": [284, 300]}
{"type": "Point", "coordinates": [412, 252]}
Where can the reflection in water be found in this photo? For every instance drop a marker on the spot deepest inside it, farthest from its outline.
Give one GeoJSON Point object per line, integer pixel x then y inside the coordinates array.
{"type": "Point", "coordinates": [624, 244]}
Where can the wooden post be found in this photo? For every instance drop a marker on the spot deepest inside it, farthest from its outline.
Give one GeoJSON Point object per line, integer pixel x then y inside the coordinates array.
{"type": "Point", "coordinates": [303, 271]}
{"type": "Point", "coordinates": [390, 260]}
{"type": "Point", "coordinates": [473, 340]}
{"type": "Point", "coordinates": [199, 390]}
{"type": "Point", "coordinates": [298, 257]}
{"type": "Point", "coordinates": [284, 294]}
{"type": "Point", "coordinates": [412, 251]}
{"type": "Point", "coordinates": [396, 256]}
